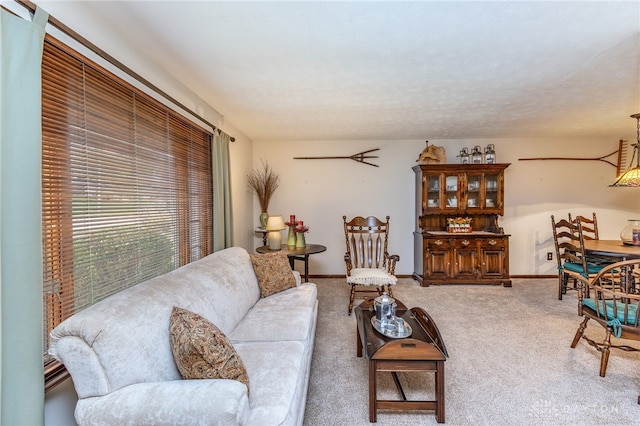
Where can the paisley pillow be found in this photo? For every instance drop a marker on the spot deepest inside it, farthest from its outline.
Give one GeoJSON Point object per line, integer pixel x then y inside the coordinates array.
{"type": "Point", "coordinates": [201, 350]}
{"type": "Point", "coordinates": [273, 272]}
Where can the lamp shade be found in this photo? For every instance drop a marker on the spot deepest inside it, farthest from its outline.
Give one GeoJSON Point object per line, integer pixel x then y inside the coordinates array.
{"type": "Point", "coordinates": [629, 178]}
{"type": "Point", "coordinates": [275, 223]}
{"type": "Point", "coordinates": [632, 176]}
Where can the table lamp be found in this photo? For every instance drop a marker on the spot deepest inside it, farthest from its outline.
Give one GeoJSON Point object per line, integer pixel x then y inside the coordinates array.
{"type": "Point", "coordinates": [275, 224]}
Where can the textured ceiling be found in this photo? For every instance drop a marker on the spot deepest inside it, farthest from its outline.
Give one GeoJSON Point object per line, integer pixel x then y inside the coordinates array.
{"type": "Point", "coordinates": [399, 69]}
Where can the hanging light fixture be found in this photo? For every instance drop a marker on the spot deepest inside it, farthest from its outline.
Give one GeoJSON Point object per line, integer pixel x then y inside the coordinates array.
{"type": "Point", "coordinates": [632, 176]}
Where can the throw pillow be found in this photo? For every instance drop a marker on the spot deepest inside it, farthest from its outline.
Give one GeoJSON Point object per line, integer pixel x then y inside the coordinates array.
{"type": "Point", "coordinates": [201, 350]}
{"type": "Point", "coordinates": [273, 272]}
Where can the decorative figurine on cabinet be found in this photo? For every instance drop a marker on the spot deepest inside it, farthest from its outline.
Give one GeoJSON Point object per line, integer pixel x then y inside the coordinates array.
{"type": "Point", "coordinates": [432, 155]}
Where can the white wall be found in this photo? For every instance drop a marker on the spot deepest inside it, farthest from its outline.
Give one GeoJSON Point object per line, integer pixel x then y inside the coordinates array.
{"type": "Point", "coordinates": [321, 191]}
{"type": "Point", "coordinates": [240, 153]}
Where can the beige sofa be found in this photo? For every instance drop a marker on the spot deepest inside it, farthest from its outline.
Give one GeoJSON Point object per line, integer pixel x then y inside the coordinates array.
{"type": "Point", "coordinates": [119, 356]}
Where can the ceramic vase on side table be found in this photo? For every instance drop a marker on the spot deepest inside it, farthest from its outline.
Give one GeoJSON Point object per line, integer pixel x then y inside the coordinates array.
{"type": "Point", "coordinates": [264, 217]}
{"type": "Point", "coordinates": [291, 237]}
{"type": "Point", "coordinates": [300, 241]}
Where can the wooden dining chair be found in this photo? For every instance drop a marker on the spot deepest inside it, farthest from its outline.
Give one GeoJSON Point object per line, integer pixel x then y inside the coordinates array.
{"type": "Point", "coordinates": [570, 254]}
{"type": "Point", "coordinates": [370, 268]}
{"type": "Point", "coordinates": [612, 299]}
{"type": "Point", "coordinates": [589, 226]}
{"type": "Point", "coordinates": [590, 232]}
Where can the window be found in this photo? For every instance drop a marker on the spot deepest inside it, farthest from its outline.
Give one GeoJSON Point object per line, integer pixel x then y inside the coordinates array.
{"type": "Point", "coordinates": [126, 187]}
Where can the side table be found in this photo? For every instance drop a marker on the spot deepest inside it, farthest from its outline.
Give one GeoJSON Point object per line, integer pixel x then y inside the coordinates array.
{"type": "Point", "coordinates": [263, 232]}
{"type": "Point", "coordinates": [296, 253]}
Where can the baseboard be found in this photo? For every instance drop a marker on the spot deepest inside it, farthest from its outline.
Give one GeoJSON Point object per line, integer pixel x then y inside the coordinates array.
{"type": "Point", "coordinates": [534, 276]}
{"type": "Point", "coordinates": [411, 276]}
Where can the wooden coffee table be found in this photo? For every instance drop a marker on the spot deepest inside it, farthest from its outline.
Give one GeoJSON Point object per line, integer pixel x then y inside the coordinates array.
{"type": "Point", "coordinates": [424, 350]}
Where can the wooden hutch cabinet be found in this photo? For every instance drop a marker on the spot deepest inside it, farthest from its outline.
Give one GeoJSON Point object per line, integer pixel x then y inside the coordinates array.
{"type": "Point", "coordinates": [447, 191]}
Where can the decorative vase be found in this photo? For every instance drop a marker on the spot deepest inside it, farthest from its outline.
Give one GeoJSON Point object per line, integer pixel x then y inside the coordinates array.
{"type": "Point", "coordinates": [264, 216]}
{"type": "Point", "coordinates": [630, 234]}
{"type": "Point", "coordinates": [300, 241]}
{"type": "Point", "coordinates": [291, 237]}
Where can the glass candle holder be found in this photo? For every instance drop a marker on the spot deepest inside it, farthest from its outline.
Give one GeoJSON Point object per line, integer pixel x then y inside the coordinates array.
{"type": "Point", "coordinates": [630, 234]}
{"type": "Point", "coordinates": [464, 156]}
{"type": "Point", "coordinates": [476, 155]}
{"type": "Point", "coordinates": [490, 154]}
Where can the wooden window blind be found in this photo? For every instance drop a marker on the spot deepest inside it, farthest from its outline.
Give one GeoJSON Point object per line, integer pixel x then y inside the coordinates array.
{"type": "Point", "coordinates": [126, 187]}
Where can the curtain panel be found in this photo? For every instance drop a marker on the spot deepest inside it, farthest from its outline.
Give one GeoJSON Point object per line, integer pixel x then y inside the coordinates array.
{"type": "Point", "coordinates": [223, 214]}
{"type": "Point", "coordinates": [21, 44]}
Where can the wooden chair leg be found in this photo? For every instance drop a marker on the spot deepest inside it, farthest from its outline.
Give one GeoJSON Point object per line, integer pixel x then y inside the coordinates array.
{"type": "Point", "coordinates": [605, 352]}
{"type": "Point", "coordinates": [580, 332]}
{"type": "Point", "coordinates": [389, 291]}
{"type": "Point", "coordinates": [560, 285]}
{"type": "Point", "coordinates": [352, 296]}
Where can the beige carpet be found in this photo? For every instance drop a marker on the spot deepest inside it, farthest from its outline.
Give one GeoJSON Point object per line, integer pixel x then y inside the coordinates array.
{"type": "Point", "coordinates": [509, 361]}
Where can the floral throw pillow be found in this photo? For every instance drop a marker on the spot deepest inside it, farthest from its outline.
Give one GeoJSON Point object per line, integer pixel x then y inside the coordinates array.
{"type": "Point", "coordinates": [273, 272]}
{"type": "Point", "coordinates": [201, 350]}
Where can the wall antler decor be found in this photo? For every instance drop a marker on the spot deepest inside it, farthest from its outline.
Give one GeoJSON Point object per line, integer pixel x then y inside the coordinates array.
{"type": "Point", "coordinates": [359, 157]}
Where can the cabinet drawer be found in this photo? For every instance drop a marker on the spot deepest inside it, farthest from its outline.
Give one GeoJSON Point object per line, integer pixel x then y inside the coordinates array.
{"type": "Point", "coordinates": [464, 244]}
{"type": "Point", "coordinates": [492, 243]}
{"type": "Point", "coordinates": [438, 244]}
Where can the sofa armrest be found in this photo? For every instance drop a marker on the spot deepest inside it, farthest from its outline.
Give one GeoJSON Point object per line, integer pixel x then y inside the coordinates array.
{"type": "Point", "coordinates": [296, 274]}
{"type": "Point", "coordinates": [218, 401]}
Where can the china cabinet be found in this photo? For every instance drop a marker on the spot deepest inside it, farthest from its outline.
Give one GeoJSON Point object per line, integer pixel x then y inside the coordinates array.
{"type": "Point", "coordinates": [479, 254]}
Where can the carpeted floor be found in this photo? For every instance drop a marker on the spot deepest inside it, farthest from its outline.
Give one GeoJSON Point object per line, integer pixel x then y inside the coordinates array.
{"type": "Point", "coordinates": [509, 361]}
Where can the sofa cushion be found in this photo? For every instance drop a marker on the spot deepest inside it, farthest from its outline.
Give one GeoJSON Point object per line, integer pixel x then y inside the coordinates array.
{"type": "Point", "coordinates": [371, 276]}
{"type": "Point", "coordinates": [229, 276]}
{"type": "Point", "coordinates": [278, 390]}
{"type": "Point", "coordinates": [273, 272]}
{"type": "Point", "coordinates": [305, 294]}
{"type": "Point", "coordinates": [288, 315]}
{"type": "Point", "coordinates": [265, 324]}
{"type": "Point", "coordinates": [201, 350]}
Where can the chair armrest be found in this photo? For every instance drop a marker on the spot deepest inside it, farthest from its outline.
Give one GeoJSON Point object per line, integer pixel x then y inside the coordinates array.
{"type": "Point", "coordinates": [391, 262]}
{"type": "Point", "coordinates": [214, 401]}
{"type": "Point", "coordinates": [615, 268]}
{"type": "Point", "coordinates": [618, 277]}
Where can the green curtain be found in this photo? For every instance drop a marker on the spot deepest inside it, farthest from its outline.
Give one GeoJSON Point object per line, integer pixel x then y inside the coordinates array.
{"type": "Point", "coordinates": [222, 211]}
{"type": "Point", "coordinates": [22, 384]}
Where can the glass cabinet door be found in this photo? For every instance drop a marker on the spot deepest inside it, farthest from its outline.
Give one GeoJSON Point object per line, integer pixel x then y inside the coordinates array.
{"type": "Point", "coordinates": [451, 191]}
{"type": "Point", "coordinates": [491, 191]}
{"type": "Point", "coordinates": [433, 191]}
{"type": "Point", "coordinates": [473, 191]}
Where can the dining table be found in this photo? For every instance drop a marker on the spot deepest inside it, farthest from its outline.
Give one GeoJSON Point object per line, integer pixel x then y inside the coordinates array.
{"type": "Point", "coordinates": [615, 249]}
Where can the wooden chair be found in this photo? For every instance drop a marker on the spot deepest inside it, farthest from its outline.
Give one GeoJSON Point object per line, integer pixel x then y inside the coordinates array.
{"type": "Point", "coordinates": [589, 226]}
{"type": "Point", "coordinates": [590, 232]}
{"type": "Point", "coordinates": [367, 259]}
{"type": "Point", "coordinates": [612, 299]}
{"type": "Point", "coordinates": [570, 254]}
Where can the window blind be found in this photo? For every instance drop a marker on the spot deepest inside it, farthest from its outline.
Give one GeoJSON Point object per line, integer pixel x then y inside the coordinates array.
{"type": "Point", "coordinates": [126, 186]}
